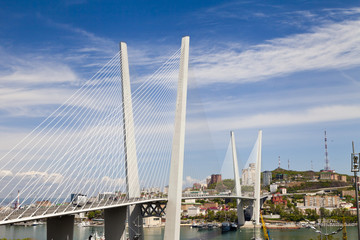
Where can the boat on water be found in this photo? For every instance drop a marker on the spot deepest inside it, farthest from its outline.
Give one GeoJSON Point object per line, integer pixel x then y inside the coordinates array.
{"type": "Point", "coordinates": [84, 224]}
{"type": "Point", "coordinates": [96, 236]}
{"type": "Point", "coordinates": [36, 223]}
{"type": "Point", "coordinates": [195, 225]}
{"type": "Point", "coordinates": [225, 227]}
{"type": "Point", "coordinates": [201, 227]}
{"type": "Point", "coordinates": [210, 226]}
{"type": "Point", "coordinates": [233, 227]}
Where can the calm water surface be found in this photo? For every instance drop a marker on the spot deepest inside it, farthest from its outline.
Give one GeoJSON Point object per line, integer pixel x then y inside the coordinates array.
{"type": "Point", "coordinates": [82, 233]}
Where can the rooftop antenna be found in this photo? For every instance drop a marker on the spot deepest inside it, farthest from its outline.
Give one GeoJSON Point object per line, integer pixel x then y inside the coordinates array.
{"type": "Point", "coordinates": [312, 167]}
{"type": "Point", "coordinates": [279, 162]}
{"type": "Point", "coordinates": [327, 168]}
{"type": "Point", "coordinates": [288, 164]}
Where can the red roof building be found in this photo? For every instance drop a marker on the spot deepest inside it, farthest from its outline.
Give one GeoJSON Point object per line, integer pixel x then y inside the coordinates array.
{"type": "Point", "coordinates": [278, 199]}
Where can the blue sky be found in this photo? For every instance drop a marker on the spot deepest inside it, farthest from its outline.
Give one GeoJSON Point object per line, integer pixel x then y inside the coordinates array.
{"type": "Point", "coordinates": [290, 68]}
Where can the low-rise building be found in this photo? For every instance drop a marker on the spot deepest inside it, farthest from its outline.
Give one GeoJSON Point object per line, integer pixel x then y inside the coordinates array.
{"type": "Point", "coordinates": [45, 203]}
{"type": "Point", "coordinates": [106, 196]}
{"type": "Point", "coordinates": [342, 178]}
{"type": "Point", "coordinates": [346, 205]}
{"type": "Point", "coordinates": [276, 199]}
{"type": "Point", "coordinates": [273, 188]}
{"type": "Point", "coordinates": [193, 211]}
{"type": "Point", "coordinates": [348, 193]}
{"type": "Point", "coordinates": [211, 205]}
{"type": "Point", "coordinates": [281, 176]}
{"type": "Point", "coordinates": [319, 201]}
{"type": "Point", "coordinates": [325, 175]}
{"type": "Point", "coordinates": [152, 222]}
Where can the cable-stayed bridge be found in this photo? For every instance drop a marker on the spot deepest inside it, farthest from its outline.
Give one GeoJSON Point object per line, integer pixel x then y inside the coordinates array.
{"type": "Point", "coordinates": [102, 147]}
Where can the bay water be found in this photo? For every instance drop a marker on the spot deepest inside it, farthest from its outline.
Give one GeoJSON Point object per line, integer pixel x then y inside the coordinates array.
{"type": "Point", "coordinates": [187, 233]}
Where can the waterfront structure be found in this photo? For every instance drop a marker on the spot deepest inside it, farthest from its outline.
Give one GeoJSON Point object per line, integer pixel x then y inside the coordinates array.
{"type": "Point", "coordinates": [267, 178]}
{"type": "Point", "coordinates": [152, 222]}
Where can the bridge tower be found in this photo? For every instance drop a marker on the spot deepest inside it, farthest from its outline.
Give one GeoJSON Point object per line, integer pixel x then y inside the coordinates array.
{"type": "Point", "coordinates": [173, 209]}
{"type": "Point", "coordinates": [240, 210]}
{"type": "Point", "coordinates": [115, 218]}
{"type": "Point", "coordinates": [257, 203]}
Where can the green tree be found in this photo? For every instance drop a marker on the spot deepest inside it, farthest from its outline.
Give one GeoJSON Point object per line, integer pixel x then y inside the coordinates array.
{"type": "Point", "coordinates": [210, 216]}
{"type": "Point", "coordinates": [95, 214]}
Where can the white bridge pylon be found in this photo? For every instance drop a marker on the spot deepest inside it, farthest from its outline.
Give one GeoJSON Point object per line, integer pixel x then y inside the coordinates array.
{"type": "Point", "coordinates": [105, 148]}
{"type": "Point", "coordinates": [99, 147]}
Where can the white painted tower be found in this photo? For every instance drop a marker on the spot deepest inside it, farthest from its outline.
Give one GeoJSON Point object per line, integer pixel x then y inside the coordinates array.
{"type": "Point", "coordinates": [256, 214]}
{"type": "Point", "coordinates": [132, 176]}
{"type": "Point", "coordinates": [240, 210]}
{"type": "Point", "coordinates": [173, 208]}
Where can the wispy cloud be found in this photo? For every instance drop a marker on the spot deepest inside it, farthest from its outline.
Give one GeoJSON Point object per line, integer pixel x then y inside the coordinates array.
{"type": "Point", "coordinates": [331, 46]}
{"type": "Point", "coordinates": [285, 118]}
{"type": "Point", "coordinates": [33, 69]}
{"type": "Point", "coordinates": [189, 181]}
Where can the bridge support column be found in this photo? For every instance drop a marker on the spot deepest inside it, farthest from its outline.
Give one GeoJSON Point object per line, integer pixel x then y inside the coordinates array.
{"type": "Point", "coordinates": [131, 165]}
{"type": "Point", "coordinates": [60, 228]}
{"type": "Point", "coordinates": [135, 223]}
{"type": "Point", "coordinates": [173, 209]}
{"type": "Point", "coordinates": [257, 181]}
{"type": "Point", "coordinates": [115, 221]}
{"type": "Point", "coordinates": [240, 210]}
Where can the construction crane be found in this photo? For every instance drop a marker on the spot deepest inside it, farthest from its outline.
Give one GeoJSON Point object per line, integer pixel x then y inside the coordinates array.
{"type": "Point", "coordinates": [344, 230]}
{"type": "Point", "coordinates": [266, 232]}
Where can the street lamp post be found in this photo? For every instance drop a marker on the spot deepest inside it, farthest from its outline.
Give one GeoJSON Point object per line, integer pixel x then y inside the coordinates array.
{"type": "Point", "coordinates": [355, 169]}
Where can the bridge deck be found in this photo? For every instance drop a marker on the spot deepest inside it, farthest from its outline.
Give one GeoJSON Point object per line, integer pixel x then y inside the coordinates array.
{"type": "Point", "coordinates": [36, 213]}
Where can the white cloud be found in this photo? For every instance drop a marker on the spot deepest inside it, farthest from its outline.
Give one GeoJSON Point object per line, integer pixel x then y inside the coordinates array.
{"type": "Point", "coordinates": [283, 118]}
{"type": "Point", "coordinates": [44, 176]}
{"type": "Point", "coordinates": [331, 46]}
{"type": "Point", "coordinates": [114, 182]}
{"type": "Point", "coordinates": [189, 181]}
{"type": "Point", "coordinates": [31, 69]}
{"type": "Point", "coordinates": [4, 173]}
{"type": "Point", "coordinates": [44, 73]}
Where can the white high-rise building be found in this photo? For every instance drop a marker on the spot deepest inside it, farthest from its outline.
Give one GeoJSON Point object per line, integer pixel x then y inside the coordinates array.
{"type": "Point", "coordinates": [248, 175]}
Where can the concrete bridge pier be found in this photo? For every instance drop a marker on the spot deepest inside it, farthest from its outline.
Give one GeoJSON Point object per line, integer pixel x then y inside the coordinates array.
{"type": "Point", "coordinates": [115, 221]}
{"type": "Point", "coordinates": [60, 228]}
{"type": "Point", "coordinates": [135, 230]}
{"type": "Point", "coordinates": [240, 213]}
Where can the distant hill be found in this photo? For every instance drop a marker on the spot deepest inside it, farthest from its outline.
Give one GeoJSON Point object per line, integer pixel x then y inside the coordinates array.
{"type": "Point", "coordinates": [305, 175]}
